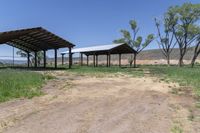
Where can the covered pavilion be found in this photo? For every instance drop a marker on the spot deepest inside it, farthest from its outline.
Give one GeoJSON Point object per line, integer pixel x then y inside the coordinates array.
{"type": "Point", "coordinates": [95, 51]}
{"type": "Point", "coordinates": [35, 40]}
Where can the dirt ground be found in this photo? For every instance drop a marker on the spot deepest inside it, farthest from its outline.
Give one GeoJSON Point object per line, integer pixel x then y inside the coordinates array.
{"type": "Point", "coordinates": [84, 104]}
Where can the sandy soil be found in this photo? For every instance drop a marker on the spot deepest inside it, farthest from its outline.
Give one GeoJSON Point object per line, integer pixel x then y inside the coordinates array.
{"type": "Point", "coordinates": [83, 104]}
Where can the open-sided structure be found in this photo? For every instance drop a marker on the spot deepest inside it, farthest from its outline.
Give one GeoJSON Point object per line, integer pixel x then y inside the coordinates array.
{"type": "Point", "coordinates": [95, 51]}
{"type": "Point", "coordinates": [35, 40]}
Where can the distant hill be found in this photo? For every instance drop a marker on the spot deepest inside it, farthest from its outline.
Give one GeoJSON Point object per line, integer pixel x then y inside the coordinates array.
{"type": "Point", "coordinates": [156, 54]}
{"type": "Point", "coordinates": [4, 61]}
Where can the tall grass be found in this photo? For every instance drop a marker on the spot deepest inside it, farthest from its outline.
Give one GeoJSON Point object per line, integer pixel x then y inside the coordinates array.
{"type": "Point", "coordinates": [18, 83]}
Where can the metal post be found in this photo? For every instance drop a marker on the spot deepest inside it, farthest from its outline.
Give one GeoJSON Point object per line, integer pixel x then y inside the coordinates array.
{"type": "Point", "coordinates": [13, 56]}
{"type": "Point", "coordinates": [107, 60]}
{"type": "Point", "coordinates": [96, 60]}
{"type": "Point", "coordinates": [81, 59]}
{"type": "Point", "coordinates": [44, 58]}
{"type": "Point", "coordinates": [119, 60]}
{"type": "Point", "coordinates": [28, 59]}
{"type": "Point", "coordinates": [62, 59]}
{"type": "Point", "coordinates": [36, 60]}
{"type": "Point", "coordinates": [87, 60]}
{"type": "Point", "coordinates": [55, 58]}
{"type": "Point", "coordinates": [70, 57]}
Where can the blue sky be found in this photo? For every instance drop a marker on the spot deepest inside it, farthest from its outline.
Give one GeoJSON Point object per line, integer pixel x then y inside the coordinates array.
{"type": "Point", "coordinates": [83, 22]}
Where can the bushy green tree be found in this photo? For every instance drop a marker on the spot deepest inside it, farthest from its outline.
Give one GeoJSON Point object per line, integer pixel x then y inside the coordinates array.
{"type": "Point", "coordinates": [133, 40]}
{"type": "Point", "coordinates": [166, 40]}
{"type": "Point", "coordinates": [184, 26]}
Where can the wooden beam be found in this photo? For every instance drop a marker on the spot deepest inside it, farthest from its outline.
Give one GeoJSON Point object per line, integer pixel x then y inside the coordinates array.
{"type": "Point", "coordinates": [33, 41]}
{"type": "Point", "coordinates": [107, 60]}
{"type": "Point", "coordinates": [62, 59]}
{"type": "Point", "coordinates": [46, 38]}
{"type": "Point", "coordinates": [36, 60]}
{"type": "Point", "coordinates": [96, 60]}
{"type": "Point", "coordinates": [70, 57]}
{"type": "Point", "coordinates": [87, 60]}
{"type": "Point", "coordinates": [55, 58]}
{"type": "Point", "coordinates": [81, 59]}
{"type": "Point", "coordinates": [28, 59]}
{"type": "Point", "coordinates": [17, 46]}
{"type": "Point", "coordinates": [20, 44]}
{"type": "Point", "coordinates": [44, 58]}
{"type": "Point", "coordinates": [10, 35]}
{"type": "Point", "coordinates": [120, 60]}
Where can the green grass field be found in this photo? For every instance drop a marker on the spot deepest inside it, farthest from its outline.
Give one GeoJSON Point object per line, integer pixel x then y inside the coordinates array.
{"type": "Point", "coordinates": [18, 83]}
{"type": "Point", "coordinates": [102, 70]}
{"type": "Point", "coordinates": [185, 76]}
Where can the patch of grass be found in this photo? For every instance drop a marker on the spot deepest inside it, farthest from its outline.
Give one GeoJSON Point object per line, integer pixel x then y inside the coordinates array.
{"type": "Point", "coordinates": [185, 76]}
{"type": "Point", "coordinates": [48, 77]}
{"type": "Point", "coordinates": [18, 83]}
{"type": "Point", "coordinates": [197, 104]}
{"type": "Point", "coordinates": [174, 91]}
{"type": "Point", "coordinates": [103, 71]}
{"type": "Point", "coordinates": [176, 129]}
{"type": "Point", "coordinates": [191, 116]}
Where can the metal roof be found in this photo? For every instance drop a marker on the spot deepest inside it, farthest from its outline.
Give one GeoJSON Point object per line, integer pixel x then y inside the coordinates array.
{"type": "Point", "coordinates": [33, 39]}
{"type": "Point", "coordinates": [101, 49]}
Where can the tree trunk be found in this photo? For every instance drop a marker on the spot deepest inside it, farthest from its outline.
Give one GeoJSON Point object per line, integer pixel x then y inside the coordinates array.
{"type": "Point", "coordinates": [193, 61]}
{"type": "Point", "coordinates": [196, 53]}
{"type": "Point", "coordinates": [180, 62]}
{"type": "Point", "coordinates": [168, 60]}
{"type": "Point", "coordinates": [134, 59]}
{"type": "Point", "coordinates": [131, 64]}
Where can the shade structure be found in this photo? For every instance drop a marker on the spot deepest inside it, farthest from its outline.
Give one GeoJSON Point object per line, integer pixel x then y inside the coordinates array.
{"type": "Point", "coordinates": [120, 48]}
{"type": "Point", "coordinates": [35, 40]}
{"type": "Point", "coordinates": [95, 51]}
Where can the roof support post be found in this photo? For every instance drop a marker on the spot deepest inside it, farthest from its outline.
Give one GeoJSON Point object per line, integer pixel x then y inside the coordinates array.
{"type": "Point", "coordinates": [13, 56]}
{"type": "Point", "coordinates": [96, 60]}
{"type": "Point", "coordinates": [62, 59]}
{"type": "Point", "coordinates": [87, 60]}
{"type": "Point", "coordinates": [109, 59]}
{"type": "Point", "coordinates": [70, 57]}
{"type": "Point", "coordinates": [81, 59]}
{"type": "Point", "coordinates": [55, 57]}
{"type": "Point", "coordinates": [120, 60]}
{"type": "Point", "coordinates": [28, 59]}
{"type": "Point", "coordinates": [36, 60]}
{"type": "Point", "coordinates": [44, 58]}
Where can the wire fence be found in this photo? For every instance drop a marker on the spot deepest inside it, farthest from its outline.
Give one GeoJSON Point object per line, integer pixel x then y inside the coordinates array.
{"type": "Point", "coordinates": [12, 61]}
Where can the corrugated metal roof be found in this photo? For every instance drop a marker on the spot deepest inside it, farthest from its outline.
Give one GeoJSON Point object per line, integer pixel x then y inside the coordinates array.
{"type": "Point", "coordinates": [94, 48]}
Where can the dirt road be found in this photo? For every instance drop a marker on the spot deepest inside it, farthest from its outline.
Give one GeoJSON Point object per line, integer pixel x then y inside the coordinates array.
{"type": "Point", "coordinates": [83, 104]}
